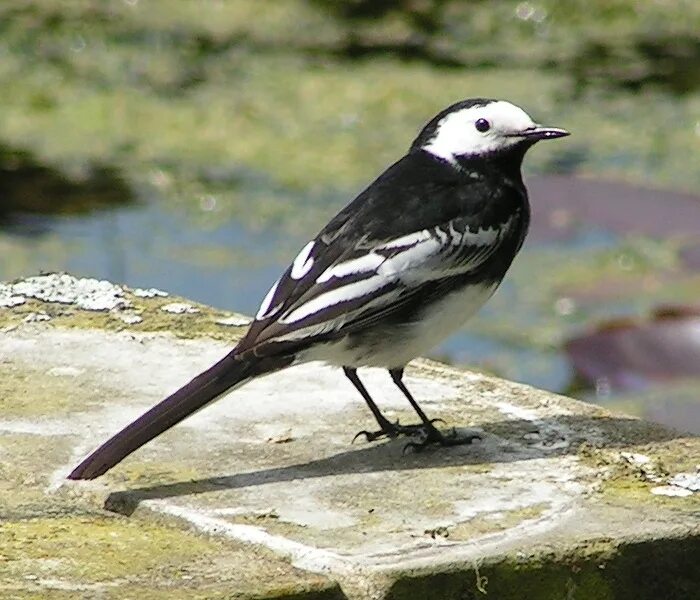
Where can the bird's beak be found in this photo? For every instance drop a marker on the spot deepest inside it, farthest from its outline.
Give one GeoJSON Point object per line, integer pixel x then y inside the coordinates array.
{"type": "Point", "coordinates": [540, 132]}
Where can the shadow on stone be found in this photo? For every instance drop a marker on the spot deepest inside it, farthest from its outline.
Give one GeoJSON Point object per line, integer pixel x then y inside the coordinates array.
{"type": "Point", "coordinates": [503, 443]}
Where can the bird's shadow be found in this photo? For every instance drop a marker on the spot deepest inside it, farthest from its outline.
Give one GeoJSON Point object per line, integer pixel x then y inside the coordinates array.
{"type": "Point", "coordinates": [503, 442]}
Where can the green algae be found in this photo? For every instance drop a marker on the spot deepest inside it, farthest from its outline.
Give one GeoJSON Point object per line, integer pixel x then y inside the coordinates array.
{"type": "Point", "coordinates": [490, 523]}
{"type": "Point", "coordinates": [30, 393]}
{"type": "Point", "coordinates": [92, 546]}
{"type": "Point", "coordinates": [119, 557]}
{"type": "Point", "coordinates": [600, 570]}
{"type": "Point", "coordinates": [627, 482]}
{"type": "Point", "coordinates": [23, 472]}
{"type": "Point", "coordinates": [175, 93]}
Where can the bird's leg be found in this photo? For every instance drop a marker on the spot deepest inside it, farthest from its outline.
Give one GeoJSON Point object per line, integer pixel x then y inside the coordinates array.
{"type": "Point", "coordinates": [432, 434]}
{"type": "Point", "coordinates": [386, 427]}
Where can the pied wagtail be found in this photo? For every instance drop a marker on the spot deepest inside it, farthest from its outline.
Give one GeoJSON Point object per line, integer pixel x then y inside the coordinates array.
{"type": "Point", "coordinates": [392, 274]}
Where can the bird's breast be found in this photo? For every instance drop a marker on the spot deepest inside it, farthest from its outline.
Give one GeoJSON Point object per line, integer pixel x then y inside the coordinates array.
{"type": "Point", "coordinates": [395, 343]}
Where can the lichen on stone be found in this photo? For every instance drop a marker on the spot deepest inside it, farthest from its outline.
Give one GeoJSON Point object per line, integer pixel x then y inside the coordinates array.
{"type": "Point", "coordinates": [62, 288]}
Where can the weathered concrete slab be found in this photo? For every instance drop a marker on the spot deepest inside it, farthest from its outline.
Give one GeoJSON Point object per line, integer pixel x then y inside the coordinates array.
{"type": "Point", "coordinates": [263, 494]}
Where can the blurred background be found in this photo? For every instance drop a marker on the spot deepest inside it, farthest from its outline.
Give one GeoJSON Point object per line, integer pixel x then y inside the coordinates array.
{"type": "Point", "coordinates": [196, 145]}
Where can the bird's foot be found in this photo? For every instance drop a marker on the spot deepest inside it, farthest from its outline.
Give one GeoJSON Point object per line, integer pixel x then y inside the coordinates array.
{"type": "Point", "coordinates": [393, 430]}
{"type": "Point", "coordinates": [434, 436]}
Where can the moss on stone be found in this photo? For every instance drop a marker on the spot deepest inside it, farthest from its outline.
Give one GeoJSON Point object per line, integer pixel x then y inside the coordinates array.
{"type": "Point", "coordinates": [646, 570]}
{"type": "Point", "coordinates": [623, 481]}
{"type": "Point", "coordinates": [25, 472]}
{"type": "Point", "coordinates": [119, 557]}
{"type": "Point", "coordinates": [62, 540]}
{"type": "Point", "coordinates": [491, 523]}
{"type": "Point", "coordinates": [26, 392]}
{"type": "Point", "coordinates": [202, 323]}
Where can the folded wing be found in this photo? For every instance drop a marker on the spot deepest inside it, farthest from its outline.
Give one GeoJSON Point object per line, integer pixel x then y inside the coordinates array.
{"type": "Point", "coordinates": [323, 296]}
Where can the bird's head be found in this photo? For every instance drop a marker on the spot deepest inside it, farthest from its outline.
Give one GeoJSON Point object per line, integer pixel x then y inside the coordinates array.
{"type": "Point", "coordinates": [480, 127]}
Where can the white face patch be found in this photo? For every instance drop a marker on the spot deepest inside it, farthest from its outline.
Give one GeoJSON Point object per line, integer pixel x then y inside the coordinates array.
{"type": "Point", "coordinates": [457, 135]}
{"type": "Point", "coordinates": [302, 263]}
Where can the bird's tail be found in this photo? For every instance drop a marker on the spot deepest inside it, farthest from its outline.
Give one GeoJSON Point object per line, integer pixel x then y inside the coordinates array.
{"type": "Point", "coordinates": [206, 387]}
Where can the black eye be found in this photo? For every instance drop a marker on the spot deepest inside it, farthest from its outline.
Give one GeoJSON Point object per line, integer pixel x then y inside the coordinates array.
{"type": "Point", "coordinates": [482, 125]}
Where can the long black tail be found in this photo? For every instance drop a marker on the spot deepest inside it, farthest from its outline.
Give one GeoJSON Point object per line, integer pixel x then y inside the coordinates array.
{"type": "Point", "coordinates": [203, 389]}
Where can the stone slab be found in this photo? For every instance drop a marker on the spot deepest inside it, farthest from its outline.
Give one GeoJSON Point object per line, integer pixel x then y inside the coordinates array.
{"type": "Point", "coordinates": [268, 482]}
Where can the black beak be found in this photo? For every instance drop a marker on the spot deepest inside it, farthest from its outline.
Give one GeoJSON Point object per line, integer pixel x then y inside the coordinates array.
{"type": "Point", "coordinates": [539, 132]}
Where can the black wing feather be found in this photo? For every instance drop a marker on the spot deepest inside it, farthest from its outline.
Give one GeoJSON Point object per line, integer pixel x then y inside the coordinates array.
{"type": "Point", "coordinates": [417, 193]}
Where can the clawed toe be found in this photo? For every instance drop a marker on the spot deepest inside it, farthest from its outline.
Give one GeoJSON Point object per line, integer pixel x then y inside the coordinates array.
{"type": "Point", "coordinates": [370, 436]}
{"type": "Point", "coordinates": [425, 431]}
{"type": "Point", "coordinates": [435, 437]}
{"type": "Point", "coordinates": [393, 430]}
{"type": "Point", "coordinates": [429, 435]}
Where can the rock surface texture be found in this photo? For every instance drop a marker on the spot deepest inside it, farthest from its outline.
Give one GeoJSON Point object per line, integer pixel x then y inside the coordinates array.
{"type": "Point", "coordinates": [263, 495]}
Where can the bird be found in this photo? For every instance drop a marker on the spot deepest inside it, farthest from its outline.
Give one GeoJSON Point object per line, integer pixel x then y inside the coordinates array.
{"type": "Point", "coordinates": [395, 272]}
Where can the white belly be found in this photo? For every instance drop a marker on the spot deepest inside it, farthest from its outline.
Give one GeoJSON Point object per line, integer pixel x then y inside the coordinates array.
{"type": "Point", "coordinates": [403, 343]}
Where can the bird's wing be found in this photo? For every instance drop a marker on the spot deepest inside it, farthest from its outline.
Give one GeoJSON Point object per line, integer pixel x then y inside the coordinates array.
{"type": "Point", "coordinates": [406, 230]}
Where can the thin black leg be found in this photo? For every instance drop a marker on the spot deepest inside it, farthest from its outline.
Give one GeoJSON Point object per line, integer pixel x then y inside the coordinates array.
{"type": "Point", "coordinates": [397, 378]}
{"type": "Point", "coordinates": [432, 434]}
{"type": "Point", "coordinates": [385, 425]}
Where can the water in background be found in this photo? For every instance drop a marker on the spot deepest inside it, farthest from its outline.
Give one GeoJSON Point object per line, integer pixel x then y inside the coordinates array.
{"type": "Point", "coordinates": [197, 149]}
